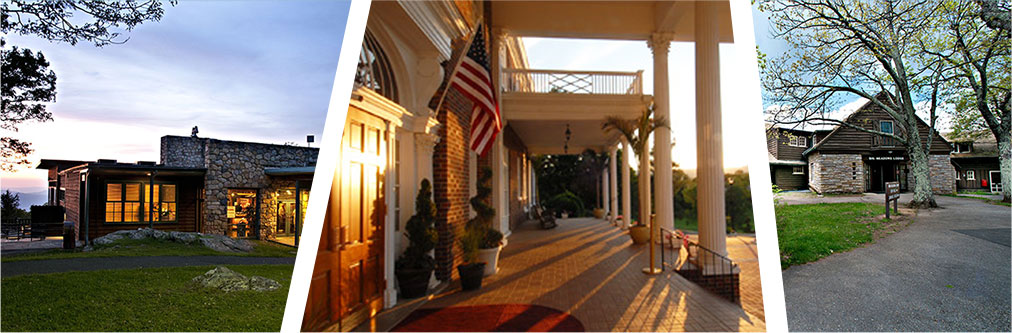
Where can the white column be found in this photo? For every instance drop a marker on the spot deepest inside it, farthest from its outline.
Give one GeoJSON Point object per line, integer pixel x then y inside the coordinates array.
{"type": "Point", "coordinates": [626, 184]}
{"type": "Point", "coordinates": [613, 183]}
{"type": "Point", "coordinates": [390, 178]}
{"type": "Point", "coordinates": [659, 44]}
{"type": "Point", "coordinates": [498, 186]}
{"type": "Point", "coordinates": [709, 145]}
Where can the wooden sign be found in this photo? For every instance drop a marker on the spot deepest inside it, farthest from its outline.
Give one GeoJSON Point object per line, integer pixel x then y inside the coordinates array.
{"type": "Point", "coordinates": [892, 194]}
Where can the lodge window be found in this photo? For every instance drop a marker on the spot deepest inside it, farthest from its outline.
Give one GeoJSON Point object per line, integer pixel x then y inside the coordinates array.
{"type": "Point", "coordinates": [886, 126]}
{"type": "Point", "coordinates": [798, 141]}
{"type": "Point", "coordinates": [374, 70]}
{"type": "Point", "coordinates": [962, 147]}
{"type": "Point", "coordinates": [957, 174]}
{"type": "Point", "coordinates": [970, 175]}
{"type": "Point", "coordinates": [132, 202]}
{"type": "Point", "coordinates": [798, 170]}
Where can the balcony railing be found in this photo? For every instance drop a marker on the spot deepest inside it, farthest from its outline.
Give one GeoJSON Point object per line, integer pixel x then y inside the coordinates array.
{"type": "Point", "coordinates": [884, 141]}
{"type": "Point", "coordinates": [572, 82]}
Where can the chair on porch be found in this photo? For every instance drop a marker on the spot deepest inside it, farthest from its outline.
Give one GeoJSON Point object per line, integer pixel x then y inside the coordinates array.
{"type": "Point", "coordinates": [547, 219]}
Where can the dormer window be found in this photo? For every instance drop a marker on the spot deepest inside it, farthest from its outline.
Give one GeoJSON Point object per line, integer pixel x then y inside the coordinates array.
{"type": "Point", "coordinates": [962, 147]}
{"type": "Point", "coordinates": [798, 141]}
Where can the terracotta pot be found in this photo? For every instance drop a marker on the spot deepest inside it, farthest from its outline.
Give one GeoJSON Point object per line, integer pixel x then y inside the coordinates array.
{"type": "Point", "coordinates": [598, 213]}
{"type": "Point", "coordinates": [491, 259]}
{"type": "Point", "coordinates": [413, 283]}
{"type": "Point", "coordinates": [471, 275]}
{"type": "Point", "coordinates": [639, 234]}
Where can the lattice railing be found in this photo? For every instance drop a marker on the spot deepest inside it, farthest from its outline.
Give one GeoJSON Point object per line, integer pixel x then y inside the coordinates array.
{"type": "Point", "coordinates": [572, 82]}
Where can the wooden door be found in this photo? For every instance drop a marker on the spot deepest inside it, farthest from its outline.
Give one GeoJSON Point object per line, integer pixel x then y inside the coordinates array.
{"type": "Point", "coordinates": [347, 285]}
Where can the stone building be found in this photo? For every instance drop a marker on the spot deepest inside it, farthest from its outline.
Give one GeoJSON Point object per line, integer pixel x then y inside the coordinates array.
{"type": "Point", "coordinates": [239, 189]}
{"type": "Point", "coordinates": [847, 160]}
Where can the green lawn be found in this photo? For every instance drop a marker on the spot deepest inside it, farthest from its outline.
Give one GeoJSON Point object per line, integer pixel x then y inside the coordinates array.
{"type": "Point", "coordinates": [150, 247]}
{"type": "Point", "coordinates": [809, 232]}
{"type": "Point", "coordinates": [149, 299]}
{"type": "Point", "coordinates": [687, 224]}
{"type": "Point", "coordinates": [977, 192]}
{"type": "Point", "coordinates": [993, 202]}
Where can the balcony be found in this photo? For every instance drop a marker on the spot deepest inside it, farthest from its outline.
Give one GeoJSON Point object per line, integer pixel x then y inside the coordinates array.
{"type": "Point", "coordinates": [572, 82]}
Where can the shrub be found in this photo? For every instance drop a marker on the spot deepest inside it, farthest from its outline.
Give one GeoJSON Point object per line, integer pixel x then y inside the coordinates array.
{"type": "Point", "coordinates": [566, 201]}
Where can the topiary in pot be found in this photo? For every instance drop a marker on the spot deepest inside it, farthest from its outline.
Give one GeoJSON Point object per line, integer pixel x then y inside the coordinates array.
{"type": "Point", "coordinates": [414, 267]}
{"type": "Point", "coordinates": [491, 239]}
{"type": "Point", "coordinates": [472, 270]}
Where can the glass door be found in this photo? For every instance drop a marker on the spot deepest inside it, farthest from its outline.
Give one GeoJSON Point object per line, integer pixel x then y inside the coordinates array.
{"type": "Point", "coordinates": [242, 213]}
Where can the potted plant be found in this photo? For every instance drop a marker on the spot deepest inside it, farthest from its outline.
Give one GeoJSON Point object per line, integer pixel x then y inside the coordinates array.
{"type": "Point", "coordinates": [414, 267]}
{"type": "Point", "coordinates": [639, 232]}
{"type": "Point", "coordinates": [491, 239]}
{"type": "Point", "coordinates": [598, 213]}
{"type": "Point", "coordinates": [472, 270]}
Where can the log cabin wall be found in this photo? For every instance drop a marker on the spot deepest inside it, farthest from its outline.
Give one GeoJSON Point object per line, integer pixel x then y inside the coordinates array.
{"type": "Point", "coordinates": [187, 204]}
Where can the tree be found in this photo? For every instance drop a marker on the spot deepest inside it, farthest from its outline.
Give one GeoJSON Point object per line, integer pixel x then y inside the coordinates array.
{"type": "Point", "coordinates": [637, 133]}
{"type": "Point", "coordinates": [975, 47]}
{"type": "Point", "coordinates": [10, 206]}
{"type": "Point", "coordinates": [867, 49]}
{"type": "Point", "coordinates": [28, 82]}
{"type": "Point", "coordinates": [420, 232]}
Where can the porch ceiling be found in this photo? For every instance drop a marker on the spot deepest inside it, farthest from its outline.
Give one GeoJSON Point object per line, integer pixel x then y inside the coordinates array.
{"type": "Point", "coordinates": [630, 20]}
{"type": "Point", "coordinates": [549, 136]}
{"type": "Point", "coordinates": [540, 119]}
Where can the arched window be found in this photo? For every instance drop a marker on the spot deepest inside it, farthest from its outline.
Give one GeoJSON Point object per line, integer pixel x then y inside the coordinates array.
{"type": "Point", "coordinates": [374, 71]}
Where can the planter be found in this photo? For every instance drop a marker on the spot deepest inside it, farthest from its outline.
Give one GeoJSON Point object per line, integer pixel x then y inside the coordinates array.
{"type": "Point", "coordinates": [565, 215]}
{"type": "Point", "coordinates": [413, 283]}
{"type": "Point", "coordinates": [598, 213]}
{"type": "Point", "coordinates": [491, 259]}
{"type": "Point", "coordinates": [639, 234]}
{"type": "Point", "coordinates": [471, 275]}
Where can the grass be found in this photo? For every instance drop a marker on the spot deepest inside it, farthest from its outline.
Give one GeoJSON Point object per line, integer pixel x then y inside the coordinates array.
{"type": "Point", "coordinates": [810, 232]}
{"type": "Point", "coordinates": [989, 200]}
{"type": "Point", "coordinates": [687, 224]}
{"type": "Point", "coordinates": [150, 247]}
{"type": "Point", "coordinates": [147, 299]}
{"type": "Point", "coordinates": [977, 192]}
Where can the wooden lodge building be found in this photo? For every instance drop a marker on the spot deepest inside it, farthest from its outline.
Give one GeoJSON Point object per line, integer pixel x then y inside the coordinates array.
{"type": "Point", "coordinates": [975, 158]}
{"type": "Point", "coordinates": [239, 189]}
{"type": "Point", "coordinates": [846, 160]}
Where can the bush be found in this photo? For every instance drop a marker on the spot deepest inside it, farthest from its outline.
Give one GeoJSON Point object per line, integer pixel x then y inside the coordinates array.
{"type": "Point", "coordinates": [566, 201]}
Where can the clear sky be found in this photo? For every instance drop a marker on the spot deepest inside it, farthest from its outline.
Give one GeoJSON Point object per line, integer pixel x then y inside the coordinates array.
{"type": "Point", "coordinates": [257, 71]}
{"type": "Point", "coordinates": [609, 55]}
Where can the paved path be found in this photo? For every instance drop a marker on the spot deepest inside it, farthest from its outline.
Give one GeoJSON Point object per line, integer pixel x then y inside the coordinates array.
{"type": "Point", "coordinates": [16, 268]}
{"type": "Point", "coordinates": [949, 270]}
{"type": "Point", "coordinates": [591, 270]}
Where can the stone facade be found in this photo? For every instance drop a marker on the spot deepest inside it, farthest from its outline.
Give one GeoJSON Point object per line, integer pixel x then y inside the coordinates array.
{"type": "Point", "coordinates": [236, 165]}
{"type": "Point", "coordinates": [837, 173]}
{"type": "Point", "coordinates": [943, 174]}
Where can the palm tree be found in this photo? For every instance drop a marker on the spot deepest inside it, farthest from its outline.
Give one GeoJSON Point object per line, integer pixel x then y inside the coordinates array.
{"type": "Point", "coordinates": [637, 133]}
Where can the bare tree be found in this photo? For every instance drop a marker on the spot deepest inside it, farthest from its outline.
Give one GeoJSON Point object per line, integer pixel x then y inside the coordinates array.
{"type": "Point", "coordinates": [975, 47]}
{"type": "Point", "coordinates": [842, 49]}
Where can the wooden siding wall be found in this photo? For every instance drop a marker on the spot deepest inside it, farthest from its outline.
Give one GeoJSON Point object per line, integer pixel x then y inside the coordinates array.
{"type": "Point", "coordinates": [980, 169]}
{"type": "Point", "coordinates": [785, 178]}
{"type": "Point", "coordinates": [791, 153]}
{"type": "Point", "coordinates": [187, 193]}
{"type": "Point", "coordinates": [850, 140]}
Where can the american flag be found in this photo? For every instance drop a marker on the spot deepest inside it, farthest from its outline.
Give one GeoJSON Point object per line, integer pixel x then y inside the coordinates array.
{"type": "Point", "coordinates": [473, 78]}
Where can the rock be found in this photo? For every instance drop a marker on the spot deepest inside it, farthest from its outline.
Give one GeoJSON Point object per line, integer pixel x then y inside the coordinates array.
{"type": "Point", "coordinates": [220, 243]}
{"type": "Point", "coordinates": [226, 244]}
{"type": "Point", "coordinates": [182, 237]}
{"type": "Point", "coordinates": [108, 239]}
{"type": "Point", "coordinates": [228, 280]}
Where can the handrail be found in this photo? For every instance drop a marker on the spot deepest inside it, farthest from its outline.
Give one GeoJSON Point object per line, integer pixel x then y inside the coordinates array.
{"type": "Point", "coordinates": [703, 261]}
{"type": "Point", "coordinates": [543, 81]}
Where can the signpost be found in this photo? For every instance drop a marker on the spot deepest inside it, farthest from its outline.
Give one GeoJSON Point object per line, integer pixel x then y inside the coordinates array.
{"type": "Point", "coordinates": [892, 194]}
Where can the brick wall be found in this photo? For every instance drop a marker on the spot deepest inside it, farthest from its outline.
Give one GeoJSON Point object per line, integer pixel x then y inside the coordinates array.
{"type": "Point", "coordinates": [837, 173]}
{"type": "Point", "coordinates": [450, 179]}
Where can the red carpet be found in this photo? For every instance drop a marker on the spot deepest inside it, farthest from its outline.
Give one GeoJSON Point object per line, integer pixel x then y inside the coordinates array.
{"type": "Point", "coordinates": [490, 318]}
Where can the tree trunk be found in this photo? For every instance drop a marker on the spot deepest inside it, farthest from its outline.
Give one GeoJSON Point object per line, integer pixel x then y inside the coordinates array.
{"type": "Point", "coordinates": [645, 198]}
{"type": "Point", "coordinates": [923, 196]}
{"type": "Point", "coordinates": [1005, 165]}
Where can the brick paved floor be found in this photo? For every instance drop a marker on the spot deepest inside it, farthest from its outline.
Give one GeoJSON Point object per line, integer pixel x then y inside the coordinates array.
{"type": "Point", "coordinates": [591, 270]}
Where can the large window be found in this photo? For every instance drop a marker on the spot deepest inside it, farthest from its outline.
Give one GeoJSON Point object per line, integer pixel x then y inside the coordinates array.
{"type": "Point", "coordinates": [886, 126]}
{"type": "Point", "coordinates": [132, 202]}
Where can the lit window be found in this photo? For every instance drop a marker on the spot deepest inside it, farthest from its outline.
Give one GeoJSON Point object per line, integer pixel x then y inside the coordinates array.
{"type": "Point", "coordinates": [798, 170]}
{"type": "Point", "coordinates": [125, 203]}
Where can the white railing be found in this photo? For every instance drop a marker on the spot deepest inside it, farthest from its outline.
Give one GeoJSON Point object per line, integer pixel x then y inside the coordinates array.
{"type": "Point", "coordinates": [572, 82]}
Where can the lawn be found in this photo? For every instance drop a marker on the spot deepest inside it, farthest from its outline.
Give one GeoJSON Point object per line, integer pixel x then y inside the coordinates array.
{"type": "Point", "coordinates": [809, 232]}
{"type": "Point", "coordinates": [687, 224]}
{"type": "Point", "coordinates": [991, 201]}
{"type": "Point", "coordinates": [148, 299]}
{"type": "Point", "coordinates": [150, 247]}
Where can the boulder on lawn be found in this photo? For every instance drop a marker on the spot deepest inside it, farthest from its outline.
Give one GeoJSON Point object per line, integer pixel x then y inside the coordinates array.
{"type": "Point", "coordinates": [226, 244]}
{"type": "Point", "coordinates": [228, 280]}
{"type": "Point", "coordinates": [220, 243]}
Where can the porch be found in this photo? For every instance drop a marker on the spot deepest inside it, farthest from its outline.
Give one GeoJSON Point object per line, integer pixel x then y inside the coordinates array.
{"type": "Point", "coordinates": [590, 270]}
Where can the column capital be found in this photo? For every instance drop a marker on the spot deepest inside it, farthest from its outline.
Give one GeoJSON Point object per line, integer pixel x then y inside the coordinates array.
{"type": "Point", "coordinates": [426, 142]}
{"type": "Point", "coordinates": [660, 42]}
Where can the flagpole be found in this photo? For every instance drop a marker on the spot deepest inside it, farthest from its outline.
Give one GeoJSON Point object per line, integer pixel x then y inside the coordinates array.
{"type": "Point", "coordinates": [456, 66]}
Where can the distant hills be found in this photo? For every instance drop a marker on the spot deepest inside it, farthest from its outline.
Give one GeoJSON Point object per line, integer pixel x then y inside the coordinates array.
{"type": "Point", "coordinates": [30, 197]}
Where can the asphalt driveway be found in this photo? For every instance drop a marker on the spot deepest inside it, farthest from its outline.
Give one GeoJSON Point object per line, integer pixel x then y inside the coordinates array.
{"type": "Point", "coordinates": [949, 271]}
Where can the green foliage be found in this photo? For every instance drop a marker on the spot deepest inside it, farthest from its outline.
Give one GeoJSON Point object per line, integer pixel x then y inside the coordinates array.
{"type": "Point", "coordinates": [807, 233]}
{"type": "Point", "coordinates": [738, 202]}
{"type": "Point", "coordinates": [74, 21]}
{"type": "Point", "coordinates": [148, 299]}
{"type": "Point", "coordinates": [421, 232]}
{"type": "Point", "coordinates": [28, 85]}
{"type": "Point", "coordinates": [481, 225]}
{"type": "Point", "coordinates": [10, 206]}
{"type": "Point", "coordinates": [469, 241]}
{"type": "Point", "coordinates": [566, 202]}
